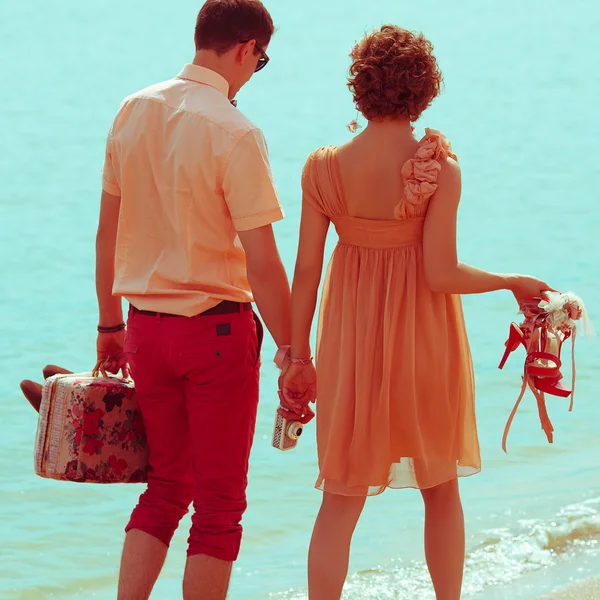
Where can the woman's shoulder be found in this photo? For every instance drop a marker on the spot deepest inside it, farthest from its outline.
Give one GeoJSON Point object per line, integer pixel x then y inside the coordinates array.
{"type": "Point", "coordinates": [322, 153]}
{"type": "Point", "coordinates": [436, 158]}
{"type": "Point", "coordinates": [316, 161]}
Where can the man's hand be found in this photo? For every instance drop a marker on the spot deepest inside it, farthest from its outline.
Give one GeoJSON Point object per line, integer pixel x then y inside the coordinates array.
{"type": "Point", "coordinates": [111, 355]}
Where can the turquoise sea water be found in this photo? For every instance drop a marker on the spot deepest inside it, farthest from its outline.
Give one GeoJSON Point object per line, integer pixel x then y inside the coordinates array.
{"type": "Point", "coordinates": [520, 106]}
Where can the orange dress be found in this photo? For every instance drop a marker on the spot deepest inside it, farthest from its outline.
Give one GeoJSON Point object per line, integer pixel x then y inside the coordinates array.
{"type": "Point", "coordinates": [395, 388]}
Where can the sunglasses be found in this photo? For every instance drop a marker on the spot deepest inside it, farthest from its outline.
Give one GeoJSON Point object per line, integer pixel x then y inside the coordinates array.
{"type": "Point", "coordinates": [262, 61]}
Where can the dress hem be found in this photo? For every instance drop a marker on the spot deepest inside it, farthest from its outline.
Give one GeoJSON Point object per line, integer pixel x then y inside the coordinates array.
{"type": "Point", "coordinates": [467, 472]}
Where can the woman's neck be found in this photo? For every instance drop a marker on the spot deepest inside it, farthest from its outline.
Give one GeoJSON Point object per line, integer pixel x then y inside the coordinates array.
{"type": "Point", "coordinates": [396, 128]}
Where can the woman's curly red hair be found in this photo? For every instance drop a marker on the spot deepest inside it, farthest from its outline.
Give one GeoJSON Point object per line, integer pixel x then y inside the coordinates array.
{"type": "Point", "coordinates": [394, 74]}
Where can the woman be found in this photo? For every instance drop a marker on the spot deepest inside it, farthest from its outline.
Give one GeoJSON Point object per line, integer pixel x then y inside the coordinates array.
{"type": "Point", "coordinates": [394, 370]}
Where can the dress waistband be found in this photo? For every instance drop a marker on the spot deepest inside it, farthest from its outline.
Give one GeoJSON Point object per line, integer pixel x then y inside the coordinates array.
{"type": "Point", "coordinates": [377, 234]}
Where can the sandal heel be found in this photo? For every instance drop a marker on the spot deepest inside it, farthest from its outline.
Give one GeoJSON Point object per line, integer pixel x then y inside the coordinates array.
{"type": "Point", "coordinates": [515, 337]}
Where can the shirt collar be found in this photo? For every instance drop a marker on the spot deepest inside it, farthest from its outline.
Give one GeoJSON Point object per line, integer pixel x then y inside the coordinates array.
{"type": "Point", "coordinates": [205, 76]}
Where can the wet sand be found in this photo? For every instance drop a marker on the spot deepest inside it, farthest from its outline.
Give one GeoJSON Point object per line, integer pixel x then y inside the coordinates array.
{"type": "Point", "coordinates": [585, 590]}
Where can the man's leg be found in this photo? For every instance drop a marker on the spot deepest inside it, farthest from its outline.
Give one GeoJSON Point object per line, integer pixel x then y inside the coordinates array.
{"type": "Point", "coordinates": [160, 396]}
{"type": "Point", "coordinates": [141, 562]}
{"type": "Point", "coordinates": [222, 399]}
{"type": "Point", "coordinates": [206, 577]}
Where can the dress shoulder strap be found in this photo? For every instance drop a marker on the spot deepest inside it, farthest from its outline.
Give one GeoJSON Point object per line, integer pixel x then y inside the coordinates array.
{"type": "Point", "coordinates": [421, 172]}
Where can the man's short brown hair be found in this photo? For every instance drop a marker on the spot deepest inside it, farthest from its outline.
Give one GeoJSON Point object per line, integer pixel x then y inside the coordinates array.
{"type": "Point", "coordinates": [221, 24]}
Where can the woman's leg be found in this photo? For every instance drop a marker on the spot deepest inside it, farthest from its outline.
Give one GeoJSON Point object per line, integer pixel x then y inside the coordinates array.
{"type": "Point", "coordinates": [445, 539]}
{"type": "Point", "coordinates": [330, 545]}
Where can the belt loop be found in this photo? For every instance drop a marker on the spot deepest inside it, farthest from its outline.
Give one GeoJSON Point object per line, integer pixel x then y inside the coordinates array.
{"type": "Point", "coordinates": [241, 307]}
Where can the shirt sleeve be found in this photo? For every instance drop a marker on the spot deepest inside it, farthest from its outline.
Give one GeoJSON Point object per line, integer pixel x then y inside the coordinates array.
{"type": "Point", "coordinates": [109, 170]}
{"type": "Point", "coordinates": [248, 184]}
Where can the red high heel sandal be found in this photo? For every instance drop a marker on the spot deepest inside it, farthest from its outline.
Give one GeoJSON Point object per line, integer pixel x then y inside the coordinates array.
{"type": "Point", "coordinates": [547, 324]}
{"type": "Point", "coordinates": [543, 361]}
{"type": "Point", "coordinates": [516, 337]}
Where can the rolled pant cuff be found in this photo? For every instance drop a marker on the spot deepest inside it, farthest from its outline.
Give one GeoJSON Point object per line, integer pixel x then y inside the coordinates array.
{"type": "Point", "coordinates": [162, 536]}
{"type": "Point", "coordinates": [225, 554]}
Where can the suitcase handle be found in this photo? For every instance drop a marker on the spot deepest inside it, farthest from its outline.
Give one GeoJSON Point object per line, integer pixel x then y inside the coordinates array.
{"type": "Point", "coordinates": [99, 369]}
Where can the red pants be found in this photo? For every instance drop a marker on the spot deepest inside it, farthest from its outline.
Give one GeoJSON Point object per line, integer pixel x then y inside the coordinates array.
{"type": "Point", "coordinates": [196, 384]}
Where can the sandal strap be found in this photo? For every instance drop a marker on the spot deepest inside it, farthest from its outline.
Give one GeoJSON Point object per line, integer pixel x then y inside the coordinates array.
{"type": "Point", "coordinates": [513, 413]}
{"type": "Point", "coordinates": [543, 412]}
{"type": "Point", "coordinates": [533, 356]}
{"type": "Point", "coordinates": [572, 369]}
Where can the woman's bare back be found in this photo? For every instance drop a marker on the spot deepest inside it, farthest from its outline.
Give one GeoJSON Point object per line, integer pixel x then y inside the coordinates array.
{"type": "Point", "coordinates": [370, 170]}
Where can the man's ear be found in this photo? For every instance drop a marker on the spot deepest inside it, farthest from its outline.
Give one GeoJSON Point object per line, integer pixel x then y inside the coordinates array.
{"type": "Point", "coordinates": [246, 51]}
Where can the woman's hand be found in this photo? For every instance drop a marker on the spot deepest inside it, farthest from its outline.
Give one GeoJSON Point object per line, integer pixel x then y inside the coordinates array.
{"type": "Point", "coordinates": [298, 386]}
{"type": "Point", "coordinates": [525, 287]}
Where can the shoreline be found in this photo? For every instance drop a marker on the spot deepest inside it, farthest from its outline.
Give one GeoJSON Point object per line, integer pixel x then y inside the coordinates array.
{"type": "Point", "coordinates": [588, 589]}
{"type": "Point", "coordinates": [574, 576]}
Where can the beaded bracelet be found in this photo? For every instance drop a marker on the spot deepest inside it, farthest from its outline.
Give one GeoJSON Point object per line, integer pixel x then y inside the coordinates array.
{"type": "Point", "coordinates": [301, 361]}
{"type": "Point", "coordinates": [113, 329]}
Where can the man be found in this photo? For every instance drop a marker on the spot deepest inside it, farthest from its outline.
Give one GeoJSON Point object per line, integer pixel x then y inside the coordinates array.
{"type": "Point", "coordinates": [185, 237]}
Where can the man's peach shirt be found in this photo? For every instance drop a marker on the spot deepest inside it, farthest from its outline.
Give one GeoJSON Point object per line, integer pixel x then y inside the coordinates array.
{"type": "Point", "coordinates": [191, 172]}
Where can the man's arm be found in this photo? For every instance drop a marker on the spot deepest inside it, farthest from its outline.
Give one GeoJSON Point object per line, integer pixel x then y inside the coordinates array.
{"type": "Point", "coordinates": [109, 306]}
{"type": "Point", "coordinates": [268, 281]}
{"type": "Point", "coordinates": [252, 200]}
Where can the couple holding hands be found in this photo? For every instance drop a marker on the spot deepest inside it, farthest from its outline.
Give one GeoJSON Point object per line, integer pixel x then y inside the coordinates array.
{"type": "Point", "coordinates": [185, 236]}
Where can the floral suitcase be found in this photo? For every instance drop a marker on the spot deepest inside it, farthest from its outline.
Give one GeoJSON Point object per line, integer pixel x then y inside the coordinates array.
{"type": "Point", "coordinates": [90, 430]}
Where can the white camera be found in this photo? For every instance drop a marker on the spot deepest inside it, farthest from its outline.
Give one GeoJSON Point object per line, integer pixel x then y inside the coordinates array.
{"type": "Point", "coordinates": [286, 433]}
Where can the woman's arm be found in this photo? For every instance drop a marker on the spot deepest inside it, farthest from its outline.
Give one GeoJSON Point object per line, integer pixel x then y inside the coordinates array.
{"type": "Point", "coordinates": [443, 270]}
{"type": "Point", "coordinates": [298, 383]}
{"type": "Point", "coordinates": [307, 276]}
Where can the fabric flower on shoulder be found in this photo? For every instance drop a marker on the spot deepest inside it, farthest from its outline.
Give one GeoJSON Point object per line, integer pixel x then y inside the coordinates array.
{"type": "Point", "coordinates": [420, 173]}
{"type": "Point", "coordinates": [436, 144]}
